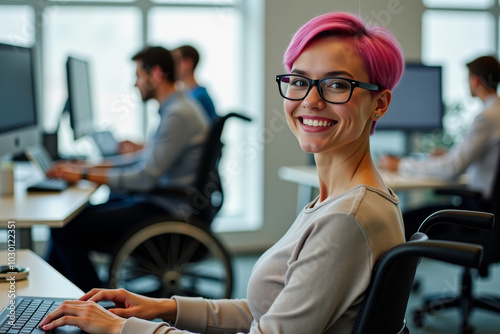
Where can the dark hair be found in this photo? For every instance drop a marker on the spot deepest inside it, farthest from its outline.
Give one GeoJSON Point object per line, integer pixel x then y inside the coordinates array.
{"type": "Point", "coordinates": [488, 69]}
{"type": "Point", "coordinates": [188, 51]}
{"type": "Point", "coordinates": [152, 56]}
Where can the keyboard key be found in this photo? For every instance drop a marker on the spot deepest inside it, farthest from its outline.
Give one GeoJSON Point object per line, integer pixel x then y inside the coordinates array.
{"type": "Point", "coordinates": [28, 315]}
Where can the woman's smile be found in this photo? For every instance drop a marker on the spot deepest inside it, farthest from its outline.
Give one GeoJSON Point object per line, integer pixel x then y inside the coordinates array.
{"type": "Point", "coordinates": [315, 124]}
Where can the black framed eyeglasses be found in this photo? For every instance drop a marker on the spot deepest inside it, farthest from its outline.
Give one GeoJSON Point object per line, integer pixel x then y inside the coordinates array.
{"type": "Point", "coordinates": [336, 90]}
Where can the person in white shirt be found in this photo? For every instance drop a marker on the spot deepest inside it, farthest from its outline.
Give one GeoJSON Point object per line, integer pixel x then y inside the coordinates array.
{"type": "Point", "coordinates": [477, 155]}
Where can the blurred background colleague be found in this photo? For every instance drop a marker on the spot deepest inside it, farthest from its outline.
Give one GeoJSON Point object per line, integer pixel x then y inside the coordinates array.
{"type": "Point", "coordinates": [169, 159]}
{"type": "Point", "coordinates": [187, 59]}
{"type": "Point", "coordinates": [477, 155]}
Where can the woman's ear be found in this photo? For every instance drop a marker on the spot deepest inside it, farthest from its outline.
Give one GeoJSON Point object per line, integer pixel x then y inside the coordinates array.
{"type": "Point", "coordinates": [381, 104]}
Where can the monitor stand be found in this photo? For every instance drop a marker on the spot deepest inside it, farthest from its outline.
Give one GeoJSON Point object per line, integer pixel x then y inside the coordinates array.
{"type": "Point", "coordinates": [50, 139]}
{"type": "Point", "coordinates": [50, 143]}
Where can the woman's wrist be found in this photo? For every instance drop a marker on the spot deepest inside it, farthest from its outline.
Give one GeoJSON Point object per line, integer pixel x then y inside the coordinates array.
{"type": "Point", "coordinates": [167, 309]}
{"type": "Point", "coordinates": [118, 325]}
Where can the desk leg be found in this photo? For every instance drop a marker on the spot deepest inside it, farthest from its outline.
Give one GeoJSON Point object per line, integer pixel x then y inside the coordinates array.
{"type": "Point", "coordinates": [304, 194]}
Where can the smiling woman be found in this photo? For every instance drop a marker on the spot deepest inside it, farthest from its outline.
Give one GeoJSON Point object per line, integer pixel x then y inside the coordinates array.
{"type": "Point", "coordinates": [313, 279]}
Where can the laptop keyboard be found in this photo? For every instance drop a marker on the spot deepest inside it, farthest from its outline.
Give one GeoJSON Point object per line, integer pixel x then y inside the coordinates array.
{"type": "Point", "coordinates": [29, 313]}
{"type": "Point", "coordinates": [49, 185]}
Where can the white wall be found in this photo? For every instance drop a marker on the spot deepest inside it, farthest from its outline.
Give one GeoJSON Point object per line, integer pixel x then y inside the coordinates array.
{"type": "Point", "coordinates": [281, 19]}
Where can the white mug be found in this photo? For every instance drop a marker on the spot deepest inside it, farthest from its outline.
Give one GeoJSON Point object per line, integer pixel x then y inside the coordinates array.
{"type": "Point", "coordinates": [6, 179]}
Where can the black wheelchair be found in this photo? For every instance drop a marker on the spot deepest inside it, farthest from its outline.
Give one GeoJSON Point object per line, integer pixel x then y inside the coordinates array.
{"type": "Point", "coordinates": [171, 255]}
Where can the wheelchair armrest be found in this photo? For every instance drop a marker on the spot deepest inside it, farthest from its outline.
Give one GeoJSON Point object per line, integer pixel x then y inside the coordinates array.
{"type": "Point", "coordinates": [237, 115]}
{"type": "Point", "coordinates": [392, 277]}
{"type": "Point", "coordinates": [459, 253]}
{"type": "Point", "coordinates": [471, 219]}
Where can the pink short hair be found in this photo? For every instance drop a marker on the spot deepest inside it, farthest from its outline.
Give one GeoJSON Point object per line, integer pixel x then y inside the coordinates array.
{"type": "Point", "coordinates": [379, 49]}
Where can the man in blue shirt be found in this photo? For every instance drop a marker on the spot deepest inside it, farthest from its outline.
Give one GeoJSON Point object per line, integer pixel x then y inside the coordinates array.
{"type": "Point", "coordinates": [169, 159]}
{"type": "Point", "coordinates": [187, 58]}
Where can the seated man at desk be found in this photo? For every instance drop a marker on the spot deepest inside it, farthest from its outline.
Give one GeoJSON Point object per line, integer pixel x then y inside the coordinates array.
{"type": "Point", "coordinates": [477, 155]}
{"type": "Point", "coordinates": [169, 159]}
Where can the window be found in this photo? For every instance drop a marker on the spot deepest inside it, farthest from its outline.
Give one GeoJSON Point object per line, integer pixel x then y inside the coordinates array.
{"type": "Point", "coordinates": [219, 69]}
{"type": "Point", "coordinates": [476, 31]}
{"type": "Point", "coordinates": [111, 70]}
{"type": "Point", "coordinates": [459, 4]}
{"type": "Point", "coordinates": [451, 37]}
{"type": "Point", "coordinates": [17, 25]}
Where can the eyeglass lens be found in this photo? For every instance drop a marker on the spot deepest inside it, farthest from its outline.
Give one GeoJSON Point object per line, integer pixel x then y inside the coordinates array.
{"type": "Point", "coordinates": [332, 89]}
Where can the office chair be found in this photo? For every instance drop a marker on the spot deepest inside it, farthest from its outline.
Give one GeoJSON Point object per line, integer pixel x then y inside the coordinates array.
{"type": "Point", "coordinates": [383, 309]}
{"type": "Point", "coordinates": [177, 255]}
{"type": "Point", "coordinates": [490, 241]}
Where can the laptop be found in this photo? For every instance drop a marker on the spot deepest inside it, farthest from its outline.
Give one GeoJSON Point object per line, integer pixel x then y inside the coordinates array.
{"type": "Point", "coordinates": [39, 155]}
{"type": "Point", "coordinates": [106, 143]}
{"type": "Point", "coordinates": [24, 314]}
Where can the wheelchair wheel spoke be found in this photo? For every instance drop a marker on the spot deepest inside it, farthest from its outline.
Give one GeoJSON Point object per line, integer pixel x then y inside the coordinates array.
{"type": "Point", "coordinates": [172, 246]}
{"type": "Point", "coordinates": [135, 272]}
{"type": "Point", "coordinates": [144, 262]}
{"type": "Point", "coordinates": [190, 251]}
{"type": "Point", "coordinates": [213, 278]}
{"type": "Point", "coordinates": [155, 253]}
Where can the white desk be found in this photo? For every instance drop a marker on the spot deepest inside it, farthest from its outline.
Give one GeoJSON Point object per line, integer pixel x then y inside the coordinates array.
{"type": "Point", "coordinates": [307, 178]}
{"type": "Point", "coordinates": [54, 209]}
{"type": "Point", "coordinates": [42, 281]}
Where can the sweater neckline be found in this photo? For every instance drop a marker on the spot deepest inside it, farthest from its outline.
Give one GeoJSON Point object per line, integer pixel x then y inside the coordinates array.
{"type": "Point", "coordinates": [314, 205]}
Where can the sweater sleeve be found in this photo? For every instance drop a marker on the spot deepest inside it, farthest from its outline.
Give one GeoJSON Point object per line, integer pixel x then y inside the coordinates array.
{"type": "Point", "coordinates": [135, 325]}
{"type": "Point", "coordinates": [197, 315]}
{"type": "Point", "coordinates": [454, 163]}
{"type": "Point", "coordinates": [213, 316]}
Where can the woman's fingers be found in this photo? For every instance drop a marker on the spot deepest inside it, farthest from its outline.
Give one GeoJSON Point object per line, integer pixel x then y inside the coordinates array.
{"type": "Point", "coordinates": [119, 296]}
{"type": "Point", "coordinates": [89, 294]}
{"type": "Point", "coordinates": [64, 309]}
{"type": "Point", "coordinates": [85, 315]}
{"type": "Point", "coordinates": [62, 321]}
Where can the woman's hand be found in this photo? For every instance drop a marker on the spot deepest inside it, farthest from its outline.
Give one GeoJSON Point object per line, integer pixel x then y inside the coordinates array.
{"type": "Point", "coordinates": [129, 304]}
{"type": "Point", "coordinates": [88, 316]}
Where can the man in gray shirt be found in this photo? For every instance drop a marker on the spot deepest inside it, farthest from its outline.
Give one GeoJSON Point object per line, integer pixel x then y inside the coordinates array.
{"type": "Point", "coordinates": [169, 159]}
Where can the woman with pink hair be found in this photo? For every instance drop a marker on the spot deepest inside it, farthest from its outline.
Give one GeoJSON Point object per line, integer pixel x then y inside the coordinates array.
{"type": "Point", "coordinates": [339, 78]}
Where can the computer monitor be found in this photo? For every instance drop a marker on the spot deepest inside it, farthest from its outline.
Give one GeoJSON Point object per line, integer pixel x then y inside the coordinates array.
{"type": "Point", "coordinates": [18, 105]}
{"type": "Point", "coordinates": [417, 103]}
{"type": "Point", "coordinates": [79, 104]}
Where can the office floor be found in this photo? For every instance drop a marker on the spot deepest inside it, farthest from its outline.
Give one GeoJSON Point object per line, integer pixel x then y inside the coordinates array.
{"type": "Point", "coordinates": [440, 278]}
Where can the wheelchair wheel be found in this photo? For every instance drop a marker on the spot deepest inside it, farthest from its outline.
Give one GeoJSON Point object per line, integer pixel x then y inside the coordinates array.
{"type": "Point", "coordinates": [173, 258]}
